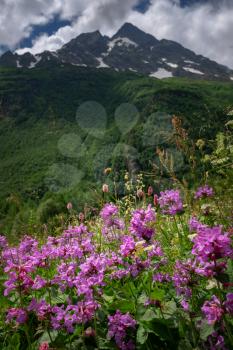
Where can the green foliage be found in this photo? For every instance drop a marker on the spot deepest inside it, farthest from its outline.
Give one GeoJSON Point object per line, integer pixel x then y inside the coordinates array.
{"type": "Point", "coordinates": [50, 208]}
{"type": "Point", "coordinates": [221, 159]}
{"type": "Point", "coordinates": [38, 107]}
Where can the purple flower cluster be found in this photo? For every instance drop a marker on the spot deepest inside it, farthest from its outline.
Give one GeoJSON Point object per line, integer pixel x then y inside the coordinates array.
{"type": "Point", "coordinates": [141, 223]}
{"type": "Point", "coordinates": [212, 310]}
{"type": "Point", "coordinates": [128, 246]}
{"type": "Point", "coordinates": [212, 247]}
{"type": "Point", "coordinates": [204, 191]}
{"type": "Point", "coordinates": [216, 342]}
{"type": "Point", "coordinates": [67, 318]}
{"type": "Point", "coordinates": [184, 278]}
{"type": "Point", "coordinates": [140, 257]}
{"type": "Point", "coordinates": [41, 309]}
{"type": "Point", "coordinates": [195, 225]}
{"type": "Point", "coordinates": [161, 277]}
{"type": "Point", "coordinates": [108, 212]}
{"type": "Point", "coordinates": [18, 315]}
{"type": "Point", "coordinates": [68, 264]}
{"type": "Point", "coordinates": [170, 202]}
{"type": "Point", "coordinates": [119, 326]}
{"type": "Point", "coordinates": [109, 215]}
{"type": "Point", "coordinates": [3, 242]}
{"type": "Point", "coordinates": [228, 304]}
{"type": "Point", "coordinates": [80, 269]}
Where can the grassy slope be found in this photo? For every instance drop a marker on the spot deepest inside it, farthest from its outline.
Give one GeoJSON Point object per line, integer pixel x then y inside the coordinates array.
{"type": "Point", "coordinates": [38, 107]}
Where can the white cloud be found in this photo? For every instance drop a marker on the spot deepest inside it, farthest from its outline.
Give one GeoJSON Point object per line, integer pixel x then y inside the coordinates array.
{"type": "Point", "coordinates": [206, 29]}
{"type": "Point", "coordinates": [18, 16]}
{"type": "Point", "coordinates": [106, 15]}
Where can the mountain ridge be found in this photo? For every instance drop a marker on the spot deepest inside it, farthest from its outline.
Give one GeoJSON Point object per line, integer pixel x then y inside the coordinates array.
{"type": "Point", "coordinates": [130, 49]}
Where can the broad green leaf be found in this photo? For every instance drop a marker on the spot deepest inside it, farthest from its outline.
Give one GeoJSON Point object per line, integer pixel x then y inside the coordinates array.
{"type": "Point", "coordinates": [206, 330]}
{"type": "Point", "coordinates": [142, 335]}
{"type": "Point", "coordinates": [108, 298]}
{"type": "Point", "coordinates": [157, 294]}
{"type": "Point", "coordinates": [169, 309]}
{"type": "Point", "coordinates": [124, 305]}
{"type": "Point", "coordinates": [142, 299]}
{"type": "Point", "coordinates": [149, 315]}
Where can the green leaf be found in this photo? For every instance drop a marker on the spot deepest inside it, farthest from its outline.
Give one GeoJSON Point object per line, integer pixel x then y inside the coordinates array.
{"type": "Point", "coordinates": [159, 329]}
{"type": "Point", "coordinates": [124, 305]}
{"type": "Point", "coordinates": [169, 309]}
{"type": "Point", "coordinates": [15, 342]}
{"type": "Point", "coordinates": [142, 335]}
{"type": "Point", "coordinates": [185, 344]}
{"type": "Point", "coordinates": [157, 294]}
{"type": "Point", "coordinates": [103, 344]}
{"type": "Point", "coordinates": [223, 278]}
{"type": "Point", "coordinates": [142, 299]}
{"type": "Point", "coordinates": [149, 315]}
{"type": "Point", "coordinates": [45, 337]}
{"type": "Point", "coordinates": [108, 298]}
{"type": "Point", "coordinates": [206, 330]}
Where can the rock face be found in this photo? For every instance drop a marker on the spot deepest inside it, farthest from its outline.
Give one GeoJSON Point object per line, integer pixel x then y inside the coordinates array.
{"type": "Point", "coordinates": [129, 49]}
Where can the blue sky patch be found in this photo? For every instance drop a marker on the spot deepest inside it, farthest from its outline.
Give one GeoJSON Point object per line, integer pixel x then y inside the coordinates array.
{"type": "Point", "coordinates": [143, 6]}
{"type": "Point", "coordinates": [49, 29]}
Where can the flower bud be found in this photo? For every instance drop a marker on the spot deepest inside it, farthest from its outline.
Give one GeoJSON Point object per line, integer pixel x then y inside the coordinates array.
{"type": "Point", "coordinates": [156, 200]}
{"type": "Point", "coordinates": [150, 191]}
{"type": "Point", "coordinates": [90, 332]}
{"type": "Point", "coordinates": [81, 217]}
{"type": "Point", "coordinates": [107, 171]}
{"type": "Point", "coordinates": [105, 188]}
{"type": "Point", "coordinates": [200, 143]}
{"type": "Point", "coordinates": [44, 346]}
{"type": "Point", "coordinates": [140, 193]}
{"type": "Point", "coordinates": [69, 206]}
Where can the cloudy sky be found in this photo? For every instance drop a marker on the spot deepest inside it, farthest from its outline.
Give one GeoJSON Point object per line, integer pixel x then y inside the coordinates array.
{"type": "Point", "coordinates": [205, 26]}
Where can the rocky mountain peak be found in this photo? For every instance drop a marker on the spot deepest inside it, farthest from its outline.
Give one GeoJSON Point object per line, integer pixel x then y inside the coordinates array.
{"type": "Point", "coordinates": [129, 49]}
{"type": "Point", "coordinates": [135, 34]}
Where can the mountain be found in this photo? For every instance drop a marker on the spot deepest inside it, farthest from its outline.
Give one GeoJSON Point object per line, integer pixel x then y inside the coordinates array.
{"type": "Point", "coordinates": [130, 49]}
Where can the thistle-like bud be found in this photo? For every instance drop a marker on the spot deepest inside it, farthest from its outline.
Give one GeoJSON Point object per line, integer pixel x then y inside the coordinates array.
{"type": "Point", "coordinates": [156, 200]}
{"type": "Point", "coordinates": [69, 206]}
{"type": "Point", "coordinates": [90, 332]}
{"type": "Point", "coordinates": [140, 193]}
{"type": "Point", "coordinates": [105, 188]}
{"type": "Point", "coordinates": [150, 191]}
{"type": "Point", "coordinates": [81, 217]}
{"type": "Point", "coordinates": [107, 171]}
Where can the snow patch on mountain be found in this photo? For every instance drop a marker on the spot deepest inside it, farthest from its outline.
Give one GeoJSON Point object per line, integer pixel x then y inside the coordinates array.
{"type": "Point", "coordinates": [79, 64]}
{"type": "Point", "coordinates": [192, 70]}
{"type": "Point", "coordinates": [18, 65]}
{"type": "Point", "coordinates": [101, 63]}
{"type": "Point", "coordinates": [54, 54]}
{"type": "Point", "coordinates": [191, 62]}
{"type": "Point", "coordinates": [161, 73]}
{"type": "Point", "coordinates": [33, 64]}
{"type": "Point", "coordinates": [121, 42]}
{"type": "Point", "coordinates": [173, 65]}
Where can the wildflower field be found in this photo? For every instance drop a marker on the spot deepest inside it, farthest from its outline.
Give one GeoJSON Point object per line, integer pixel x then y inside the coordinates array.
{"type": "Point", "coordinates": [149, 272]}
{"type": "Point", "coordinates": [150, 267]}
